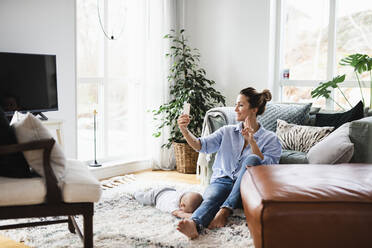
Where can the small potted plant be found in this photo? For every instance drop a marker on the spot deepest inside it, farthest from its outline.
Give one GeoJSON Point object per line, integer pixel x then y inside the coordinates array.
{"type": "Point", "coordinates": [188, 83]}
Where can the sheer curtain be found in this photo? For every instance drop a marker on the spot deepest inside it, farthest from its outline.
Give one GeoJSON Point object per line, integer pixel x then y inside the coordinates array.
{"type": "Point", "coordinates": [161, 18]}
{"type": "Point", "coordinates": [123, 78]}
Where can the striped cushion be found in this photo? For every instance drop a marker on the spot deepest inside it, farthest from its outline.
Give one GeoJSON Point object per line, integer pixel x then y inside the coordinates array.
{"type": "Point", "coordinates": [300, 138]}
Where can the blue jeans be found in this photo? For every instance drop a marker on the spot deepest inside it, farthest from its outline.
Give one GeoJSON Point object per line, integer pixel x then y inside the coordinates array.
{"type": "Point", "coordinates": [223, 192]}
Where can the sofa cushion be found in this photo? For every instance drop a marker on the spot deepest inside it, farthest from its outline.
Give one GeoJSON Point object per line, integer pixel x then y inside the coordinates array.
{"type": "Point", "coordinates": [300, 138]}
{"type": "Point", "coordinates": [21, 191]}
{"type": "Point", "coordinates": [11, 165]}
{"type": "Point", "coordinates": [293, 157]}
{"type": "Point", "coordinates": [336, 148]}
{"type": "Point", "coordinates": [361, 136]}
{"type": "Point", "coordinates": [31, 129]}
{"type": "Point", "coordinates": [79, 184]}
{"type": "Point", "coordinates": [337, 119]}
{"type": "Point", "coordinates": [291, 113]}
{"type": "Point", "coordinates": [314, 110]}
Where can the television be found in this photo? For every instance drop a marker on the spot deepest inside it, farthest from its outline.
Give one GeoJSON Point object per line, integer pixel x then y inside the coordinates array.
{"type": "Point", "coordinates": [28, 83]}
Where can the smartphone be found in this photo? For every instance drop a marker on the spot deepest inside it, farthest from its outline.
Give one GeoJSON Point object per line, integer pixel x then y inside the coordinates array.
{"type": "Point", "coordinates": [186, 108]}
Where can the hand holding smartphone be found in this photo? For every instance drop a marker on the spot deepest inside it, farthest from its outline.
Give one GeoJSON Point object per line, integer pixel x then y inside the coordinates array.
{"type": "Point", "coordinates": [186, 108]}
{"type": "Point", "coordinates": [183, 120]}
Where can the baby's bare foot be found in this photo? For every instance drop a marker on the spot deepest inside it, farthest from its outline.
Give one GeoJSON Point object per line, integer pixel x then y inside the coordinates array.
{"type": "Point", "coordinates": [188, 228]}
{"type": "Point", "coordinates": [220, 219]}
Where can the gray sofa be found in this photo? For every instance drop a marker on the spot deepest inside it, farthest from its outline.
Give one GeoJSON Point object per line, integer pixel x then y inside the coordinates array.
{"type": "Point", "coordinates": [360, 133]}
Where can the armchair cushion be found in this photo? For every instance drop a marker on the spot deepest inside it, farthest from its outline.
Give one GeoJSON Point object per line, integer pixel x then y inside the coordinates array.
{"type": "Point", "coordinates": [78, 185]}
{"type": "Point", "coordinates": [21, 191]}
{"type": "Point", "coordinates": [29, 129]}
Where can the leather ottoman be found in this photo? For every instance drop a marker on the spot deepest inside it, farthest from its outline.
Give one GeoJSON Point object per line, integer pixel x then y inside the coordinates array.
{"type": "Point", "coordinates": [309, 205]}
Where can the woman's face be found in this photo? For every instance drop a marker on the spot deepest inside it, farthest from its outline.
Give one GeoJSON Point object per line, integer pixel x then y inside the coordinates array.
{"type": "Point", "coordinates": [243, 109]}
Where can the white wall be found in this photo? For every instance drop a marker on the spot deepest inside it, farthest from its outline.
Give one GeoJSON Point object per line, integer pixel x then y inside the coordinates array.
{"type": "Point", "coordinates": [235, 38]}
{"type": "Point", "coordinates": [46, 27]}
{"type": "Point", "coordinates": [236, 41]}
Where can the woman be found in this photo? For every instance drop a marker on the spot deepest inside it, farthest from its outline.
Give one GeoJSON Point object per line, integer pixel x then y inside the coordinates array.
{"type": "Point", "coordinates": [237, 146]}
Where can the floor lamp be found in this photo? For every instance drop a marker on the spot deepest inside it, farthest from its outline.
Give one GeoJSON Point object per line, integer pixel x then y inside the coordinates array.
{"type": "Point", "coordinates": [95, 163]}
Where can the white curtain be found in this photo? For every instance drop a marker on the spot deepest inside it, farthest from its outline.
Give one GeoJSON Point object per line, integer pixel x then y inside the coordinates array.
{"type": "Point", "coordinates": [161, 19]}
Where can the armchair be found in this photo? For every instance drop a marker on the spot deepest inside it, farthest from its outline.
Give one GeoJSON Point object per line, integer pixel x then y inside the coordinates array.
{"type": "Point", "coordinates": [46, 197]}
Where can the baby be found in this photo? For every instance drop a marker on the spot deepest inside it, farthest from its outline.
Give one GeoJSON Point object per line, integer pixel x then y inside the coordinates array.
{"type": "Point", "coordinates": [170, 200]}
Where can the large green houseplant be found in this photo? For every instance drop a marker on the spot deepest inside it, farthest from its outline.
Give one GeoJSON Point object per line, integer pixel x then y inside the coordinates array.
{"type": "Point", "coordinates": [361, 63]}
{"type": "Point", "coordinates": [188, 83]}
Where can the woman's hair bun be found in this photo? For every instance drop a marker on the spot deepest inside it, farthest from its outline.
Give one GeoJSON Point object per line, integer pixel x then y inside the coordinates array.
{"type": "Point", "coordinates": [266, 95]}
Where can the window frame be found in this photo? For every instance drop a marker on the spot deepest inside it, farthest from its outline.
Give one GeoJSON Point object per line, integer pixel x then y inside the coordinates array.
{"type": "Point", "coordinates": [102, 83]}
{"type": "Point", "coordinates": [331, 58]}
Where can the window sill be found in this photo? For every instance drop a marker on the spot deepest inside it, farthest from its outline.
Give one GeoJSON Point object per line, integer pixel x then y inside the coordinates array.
{"type": "Point", "coordinates": [119, 167]}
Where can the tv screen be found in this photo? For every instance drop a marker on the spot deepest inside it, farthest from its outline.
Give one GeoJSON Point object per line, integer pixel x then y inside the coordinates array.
{"type": "Point", "coordinates": [28, 82]}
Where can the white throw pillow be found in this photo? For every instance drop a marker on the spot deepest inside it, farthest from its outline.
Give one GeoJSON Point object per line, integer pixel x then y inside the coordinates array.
{"type": "Point", "coordinates": [29, 128]}
{"type": "Point", "coordinates": [17, 116]}
{"type": "Point", "coordinates": [300, 138]}
{"type": "Point", "coordinates": [334, 149]}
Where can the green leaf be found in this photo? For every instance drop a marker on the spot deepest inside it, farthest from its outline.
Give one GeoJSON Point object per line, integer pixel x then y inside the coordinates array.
{"type": "Point", "coordinates": [156, 135]}
{"type": "Point", "coordinates": [360, 62]}
{"type": "Point", "coordinates": [323, 89]}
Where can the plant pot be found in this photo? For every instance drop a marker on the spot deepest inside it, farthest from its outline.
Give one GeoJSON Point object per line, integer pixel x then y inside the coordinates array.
{"type": "Point", "coordinates": [186, 158]}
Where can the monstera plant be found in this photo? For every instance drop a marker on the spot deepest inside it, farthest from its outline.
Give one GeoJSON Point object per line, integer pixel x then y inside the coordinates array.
{"type": "Point", "coordinates": [361, 63]}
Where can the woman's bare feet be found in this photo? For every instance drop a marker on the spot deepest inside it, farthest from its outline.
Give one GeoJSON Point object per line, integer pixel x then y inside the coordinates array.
{"type": "Point", "coordinates": [220, 219]}
{"type": "Point", "coordinates": [188, 227]}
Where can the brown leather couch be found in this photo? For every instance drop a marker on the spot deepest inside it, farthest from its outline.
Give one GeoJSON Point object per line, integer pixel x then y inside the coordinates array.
{"type": "Point", "coordinates": [311, 206]}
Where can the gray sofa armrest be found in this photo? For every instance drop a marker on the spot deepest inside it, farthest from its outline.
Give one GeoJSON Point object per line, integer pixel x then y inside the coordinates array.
{"type": "Point", "coordinates": [214, 119]}
{"type": "Point", "coordinates": [360, 133]}
{"type": "Point", "coordinates": [221, 116]}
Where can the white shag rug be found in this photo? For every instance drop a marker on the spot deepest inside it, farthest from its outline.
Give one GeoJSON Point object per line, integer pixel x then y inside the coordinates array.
{"type": "Point", "coordinates": [119, 221]}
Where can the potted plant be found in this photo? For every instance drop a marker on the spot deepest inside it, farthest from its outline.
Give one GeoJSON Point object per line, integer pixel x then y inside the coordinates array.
{"type": "Point", "coordinates": [361, 63]}
{"type": "Point", "coordinates": [188, 83]}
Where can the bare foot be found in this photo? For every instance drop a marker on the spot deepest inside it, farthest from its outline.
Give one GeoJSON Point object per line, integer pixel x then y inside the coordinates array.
{"type": "Point", "coordinates": [220, 219]}
{"type": "Point", "coordinates": [188, 227]}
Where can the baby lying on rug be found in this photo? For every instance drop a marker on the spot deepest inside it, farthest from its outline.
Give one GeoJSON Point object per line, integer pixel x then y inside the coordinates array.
{"type": "Point", "coordinates": [180, 204]}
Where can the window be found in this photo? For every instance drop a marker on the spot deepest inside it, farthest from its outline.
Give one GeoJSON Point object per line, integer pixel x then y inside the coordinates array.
{"type": "Point", "coordinates": [110, 80]}
{"type": "Point", "coordinates": [314, 37]}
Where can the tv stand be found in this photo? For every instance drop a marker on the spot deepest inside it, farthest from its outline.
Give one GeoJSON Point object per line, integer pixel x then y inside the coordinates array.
{"type": "Point", "coordinates": [42, 116]}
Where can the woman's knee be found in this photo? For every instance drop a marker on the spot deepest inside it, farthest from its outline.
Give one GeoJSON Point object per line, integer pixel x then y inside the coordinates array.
{"type": "Point", "coordinates": [252, 160]}
{"type": "Point", "coordinates": [213, 194]}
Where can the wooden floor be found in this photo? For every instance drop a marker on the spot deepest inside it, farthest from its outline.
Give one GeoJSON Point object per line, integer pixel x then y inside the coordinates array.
{"type": "Point", "coordinates": [7, 243]}
{"type": "Point", "coordinates": [171, 176]}
{"type": "Point", "coordinates": [146, 175]}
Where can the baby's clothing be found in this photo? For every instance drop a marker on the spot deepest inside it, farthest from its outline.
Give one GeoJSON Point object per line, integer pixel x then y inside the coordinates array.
{"type": "Point", "coordinates": [165, 199]}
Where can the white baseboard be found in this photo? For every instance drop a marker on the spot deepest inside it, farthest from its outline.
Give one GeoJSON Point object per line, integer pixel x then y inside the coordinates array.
{"type": "Point", "coordinates": [111, 169]}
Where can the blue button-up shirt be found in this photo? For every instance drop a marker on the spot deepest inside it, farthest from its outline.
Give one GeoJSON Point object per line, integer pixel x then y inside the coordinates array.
{"type": "Point", "coordinates": [228, 142]}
